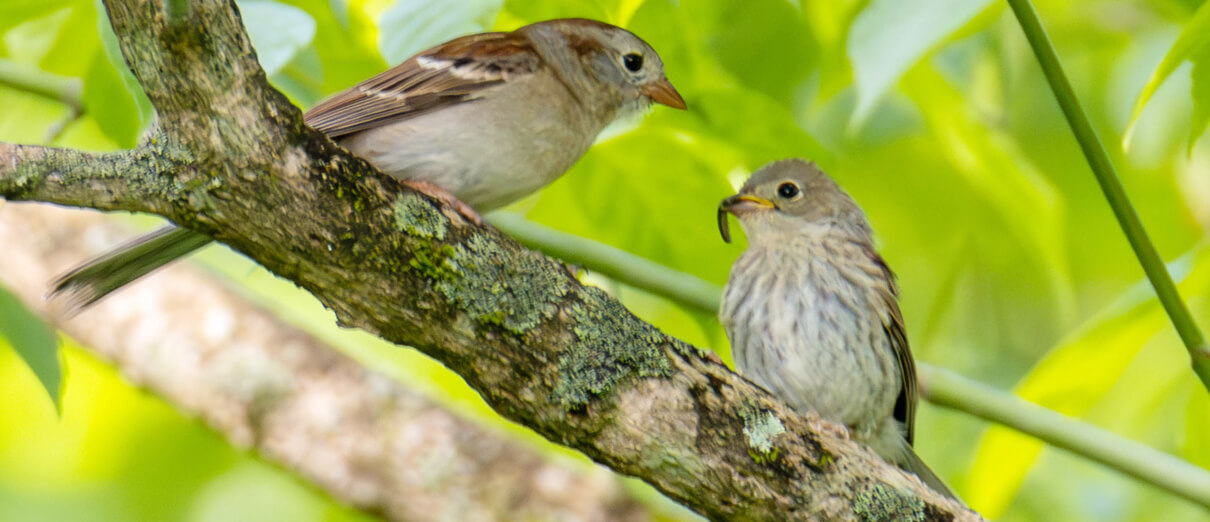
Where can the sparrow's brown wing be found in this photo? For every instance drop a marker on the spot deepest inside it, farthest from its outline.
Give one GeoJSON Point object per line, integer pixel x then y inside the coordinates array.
{"type": "Point", "coordinates": [905, 406]}
{"type": "Point", "coordinates": [454, 72]}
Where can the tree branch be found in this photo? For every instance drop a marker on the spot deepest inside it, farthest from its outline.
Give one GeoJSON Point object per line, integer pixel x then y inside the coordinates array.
{"type": "Point", "coordinates": [264, 385]}
{"type": "Point", "coordinates": [565, 360]}
{"type": "Point", "coordinates": [95, 180]}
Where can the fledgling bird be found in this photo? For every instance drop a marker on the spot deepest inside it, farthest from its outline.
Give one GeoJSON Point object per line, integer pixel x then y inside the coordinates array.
{"type": "Point", "coordinates": [812, 310]}
{"type": "Point", "coordinates": [482, 120]}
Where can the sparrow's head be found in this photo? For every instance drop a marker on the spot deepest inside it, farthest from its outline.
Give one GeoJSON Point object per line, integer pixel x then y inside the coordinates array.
{"type": "Point", "coordinates": [619, 61]}
{"type": "Point", "coordinates": [791, 197]}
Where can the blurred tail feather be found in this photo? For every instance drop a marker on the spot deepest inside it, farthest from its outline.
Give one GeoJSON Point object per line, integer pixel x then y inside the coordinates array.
{"type": "Point", "coordinates": [96, 278]}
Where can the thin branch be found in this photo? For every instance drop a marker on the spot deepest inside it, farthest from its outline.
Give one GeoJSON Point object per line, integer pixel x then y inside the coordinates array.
{"type": "Point", "coordinates": [68, 91]}
{"type": "Point", "coordinates": [948, 389]}
{"type": "Point", "coordinates": [86, 179]}
{"type": "Point", "coordinates": [1102, 167]}
{"type": "Point", "coordinates": [612, 262]}
{"type": "Point", "coordinates": [63, 89]}
{"type": "Point", "coordinates": [361, 437]}
{"type": "Point", "coordinates": [939, 386]}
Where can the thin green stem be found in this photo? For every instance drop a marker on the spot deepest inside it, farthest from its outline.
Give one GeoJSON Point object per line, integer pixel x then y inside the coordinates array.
{"type": "Point", "coordinates": [950, 390]}
{"type": "Point", "coordinates": [942, 387]}
{"type": "Point", "coordinates": [612, 262]}
{"type": "Point", "coordinates": [1102, 167]}
{"type": "Point", "coordinates": [31, 79]}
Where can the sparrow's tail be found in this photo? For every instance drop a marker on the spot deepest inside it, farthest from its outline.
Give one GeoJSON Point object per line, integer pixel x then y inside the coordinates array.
{"type": "Point", "coordinates": [112, 270]}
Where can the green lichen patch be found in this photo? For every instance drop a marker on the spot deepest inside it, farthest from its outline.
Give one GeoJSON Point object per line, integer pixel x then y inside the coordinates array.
{"type": "Point", "coordinates": [761, 427]}
{"type": "Point", "coordinates": [514, 291]}
{"type": "Point", "coordinates": [879, 503]}
{"type": "Point", "coordinates": [417, 217]}
{"type": "Point", "coordinates": [611, 346]}
{"type": "Point", "coordinates": [434, 261]}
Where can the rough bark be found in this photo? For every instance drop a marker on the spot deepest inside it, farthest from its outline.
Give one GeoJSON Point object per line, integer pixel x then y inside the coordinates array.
{"type": "Point", "coordinates": [266, 386]}
{"type": "Point", "coordinates": [231, 158]}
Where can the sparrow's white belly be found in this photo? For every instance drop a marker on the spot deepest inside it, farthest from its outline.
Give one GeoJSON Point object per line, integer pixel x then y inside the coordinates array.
{"type": "Point", "coordinates": [488, 152]}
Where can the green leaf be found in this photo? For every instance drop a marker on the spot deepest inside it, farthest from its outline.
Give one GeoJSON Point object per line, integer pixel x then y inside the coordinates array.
{"type": "Point", "coordinates": [16, 12]}
{"type": "Point", "coordinates": [33, 341]}
{"type": "Point", "coordinates": [1190, 43]}
{"type": "Point", "coordinates": [741, 44]}
{"type": "Point", "coordinates": [890, 36]}
{"type": "Point", "coordinates": [109, 99]}
{"type": "Point", "coordinates": [410, 27]}
{"type": "Point", "coordinates": [1201, 96]}
{"type": "Point", "coordinates": [302, 79]}
{"type": "Point", "coordinates": [529, 11]}
{"type": "Point", "coordinates": [1073, 378]}
{"type": "Point", "coordinates": [113, 53]}
{"type": "Point", "coordinates": [278, 32]}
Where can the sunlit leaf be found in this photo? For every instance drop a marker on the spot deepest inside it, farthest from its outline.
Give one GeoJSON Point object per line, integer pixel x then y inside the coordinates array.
{"type": "Point", "coordinates": [33, 341]}
{"type": "Point", "coordinates": [1071, 379]}
{"type": "Point", "coordinates": [889, 36]}
{"type": "Point", "coordinates": [15, 12]}
{"type": "Point", "coordinates": [340, 10]}
{"type": "Point", "coordinates": [1196, 443]}
{"type": "Point", "coordinates": [27, 116]}
{"type": "Point", "coordinates": [1201, 96]}
{"type": "Point", "coordinates": [108, 98]}
{"type": "Point", "coordinates": [278, 32]}
{"type": "Point", "coordinates": [301, 79]}
{"type": "Point", "coordinates": [775, 67]}
{"type": "Point", "coordinates": [528, 11]}
{"type": "Point", "coordinates": [347, 46]}
{"type": "Point", "coordinates": [113, 53]}
{"type": "Point", "coordinates": [1190, 43]}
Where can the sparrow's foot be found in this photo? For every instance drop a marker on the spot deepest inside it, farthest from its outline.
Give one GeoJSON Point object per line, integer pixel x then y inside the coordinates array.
{"type": "Point", "coordinates": [440, 194]}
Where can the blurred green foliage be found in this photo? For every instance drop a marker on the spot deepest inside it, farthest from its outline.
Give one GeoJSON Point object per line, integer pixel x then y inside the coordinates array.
{"type": "Point", "coordinates": [934, 117]}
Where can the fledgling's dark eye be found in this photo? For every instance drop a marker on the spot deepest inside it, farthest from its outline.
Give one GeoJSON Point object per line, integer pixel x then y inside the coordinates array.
{"type": "Point", "coordinates": [787, 190]}
{"type": "Point", "coordinates": [633, 62]}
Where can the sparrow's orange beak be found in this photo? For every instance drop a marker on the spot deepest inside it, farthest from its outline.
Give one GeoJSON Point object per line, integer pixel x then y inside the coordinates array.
{"type": "Point", "coordinates": [738, 204]}
{"type": "Point", "coordinates": [664, 93]}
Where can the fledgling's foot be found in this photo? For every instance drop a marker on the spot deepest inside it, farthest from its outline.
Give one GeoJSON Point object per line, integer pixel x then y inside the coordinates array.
{"type": "Point", "coordinates": [440, 194]}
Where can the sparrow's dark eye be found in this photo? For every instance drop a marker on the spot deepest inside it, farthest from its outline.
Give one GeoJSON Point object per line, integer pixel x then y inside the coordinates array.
{"type": "Point", "coordinates": [633, 62]}
{"type": "Point", "coordinates": [787, 190]}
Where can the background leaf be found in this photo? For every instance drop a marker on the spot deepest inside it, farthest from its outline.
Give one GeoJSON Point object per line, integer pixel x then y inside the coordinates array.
{"type": "Point", "coordinates": [33, 341]}
{"type": "Point", "coordinates": [409, 27]}
{"type": "Point", "coordinates": [1190, 43]}
{"type": "Point", "coordinates": [279, 32]}
{"type": "Point", "coordinates": [889, 36]}
{"type": "Point", "coordinates": [1201, 95]}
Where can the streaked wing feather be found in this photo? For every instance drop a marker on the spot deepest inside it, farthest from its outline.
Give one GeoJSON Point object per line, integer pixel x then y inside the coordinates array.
{"type": "Point", "coordinates": [454, 72]}
{"type": "Point", "coordinates": [905, 405]}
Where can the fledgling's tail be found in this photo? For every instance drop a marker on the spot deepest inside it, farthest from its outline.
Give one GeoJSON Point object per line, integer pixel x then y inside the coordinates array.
{"type": "Point", "coordinates": [911, 462]}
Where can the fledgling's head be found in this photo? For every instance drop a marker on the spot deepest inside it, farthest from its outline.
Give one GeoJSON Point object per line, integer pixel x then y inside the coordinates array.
{"type": "Point", "coordinates": [791, 197]}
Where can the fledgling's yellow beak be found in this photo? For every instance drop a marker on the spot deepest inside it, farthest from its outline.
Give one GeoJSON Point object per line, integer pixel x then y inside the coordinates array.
{"type": "Point", "coordinates": [739, 204]}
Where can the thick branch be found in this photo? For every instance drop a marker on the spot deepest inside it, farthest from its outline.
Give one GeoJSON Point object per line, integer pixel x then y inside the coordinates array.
{"type": "Point", "coordinates": [264, 385]}
{"type": "Point", "coordinates": [565, 360]}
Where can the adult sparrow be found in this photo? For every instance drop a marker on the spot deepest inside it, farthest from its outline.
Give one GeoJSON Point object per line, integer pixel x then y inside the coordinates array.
{"type": "Point", "coordinates": [811, 310]}
{"type": "Point", "coordinates": [481, 120]}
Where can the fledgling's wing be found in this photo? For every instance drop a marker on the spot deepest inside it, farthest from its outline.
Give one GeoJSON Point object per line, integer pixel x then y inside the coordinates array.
{"type": "Point", "coordinates": [457, 71]}
{"type": "Point", "coordinates": [892, 324]}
